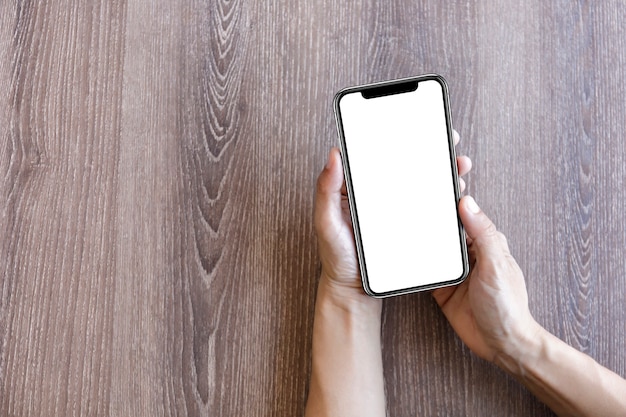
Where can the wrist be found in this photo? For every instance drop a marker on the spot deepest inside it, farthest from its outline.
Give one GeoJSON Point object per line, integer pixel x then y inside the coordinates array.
{"type": "Point", "coordinates": [350, 299]}
{"type": "Point", "coordinates": [523, 351]}
{"type": "Point", "coordinates": [347, 372]}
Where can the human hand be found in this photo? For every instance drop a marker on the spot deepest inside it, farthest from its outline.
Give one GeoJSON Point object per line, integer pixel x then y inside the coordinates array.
{"type": "Point", "coordinates": [340, 269]}
{"type": "Point", "coordinates": [489, 310]}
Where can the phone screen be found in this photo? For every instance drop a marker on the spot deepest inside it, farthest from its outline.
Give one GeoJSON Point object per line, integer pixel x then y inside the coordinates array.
{"type": "Point", "coordinates": [401, 174]}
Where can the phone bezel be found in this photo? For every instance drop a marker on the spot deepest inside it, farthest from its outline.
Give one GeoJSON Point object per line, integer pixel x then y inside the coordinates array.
{"type": "Point", "coordinates": [351, 200]}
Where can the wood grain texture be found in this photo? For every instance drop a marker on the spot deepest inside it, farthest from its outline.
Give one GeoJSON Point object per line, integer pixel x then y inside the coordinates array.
{"type": "Point", "coordinates": [158, 162]}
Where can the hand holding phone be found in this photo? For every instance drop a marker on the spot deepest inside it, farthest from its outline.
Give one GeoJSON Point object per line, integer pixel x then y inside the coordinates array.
{"type": "Point", "coordinates": [402, 182]}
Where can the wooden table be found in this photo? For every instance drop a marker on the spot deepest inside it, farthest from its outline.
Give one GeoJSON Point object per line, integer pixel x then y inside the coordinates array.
{"type": "Point", "coordinates": [157, 167]}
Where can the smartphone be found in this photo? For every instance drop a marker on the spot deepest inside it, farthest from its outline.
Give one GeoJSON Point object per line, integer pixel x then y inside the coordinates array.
{"type": "Point", "coordinates": [402, 184]}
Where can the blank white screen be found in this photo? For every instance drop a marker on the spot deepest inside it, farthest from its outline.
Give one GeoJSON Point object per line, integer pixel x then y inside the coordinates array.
{"type": "Point", "coordinates": [402, 180]}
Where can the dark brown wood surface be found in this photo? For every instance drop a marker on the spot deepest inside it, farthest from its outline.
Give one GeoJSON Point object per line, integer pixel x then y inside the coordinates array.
{"type": "Point", "coordinates": [157, 170]}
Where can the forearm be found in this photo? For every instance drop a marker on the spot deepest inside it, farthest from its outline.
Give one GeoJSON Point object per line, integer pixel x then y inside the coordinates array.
{"type": "Point", "coordinates": [347, 374]}
{"type": "Point", "coordinates": [568, 381]}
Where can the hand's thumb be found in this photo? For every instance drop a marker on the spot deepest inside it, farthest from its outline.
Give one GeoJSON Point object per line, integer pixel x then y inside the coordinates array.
{"type": "Point", "coordinates": [328, 194]}
{"type": "Point", "coordinates": [478, 226]}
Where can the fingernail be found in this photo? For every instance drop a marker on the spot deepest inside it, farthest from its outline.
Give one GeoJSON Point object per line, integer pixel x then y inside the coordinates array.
{"type": "Point", "coordinates": [472, 206]}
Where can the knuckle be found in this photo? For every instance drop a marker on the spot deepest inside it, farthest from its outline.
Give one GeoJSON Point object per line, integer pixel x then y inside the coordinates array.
{"type": "Point", "coordinates": [491, 230]}
{"type": "Point", "coordinates": [504, 243]}
{"type": "Point", "coordinates": [320, 185]}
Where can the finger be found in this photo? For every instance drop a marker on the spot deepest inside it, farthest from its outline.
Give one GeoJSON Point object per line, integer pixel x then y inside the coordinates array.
{"type": "Point", "coordinates": [442, 295]}
{"type": "Point", "coordinates": [461, 184]}
{"type": "Point", "coordinates": [451, 298]}
{"type": "Point", "coordinates": [464, 164]}
{"type": "Point", "coordinates": [456, 137]}
{"type": "Point", "coordinates": [328, 193]}
{"type": "Point", "coordinates": [330, 181]}
{"type": "Point", "coordinates": [480, 228]}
